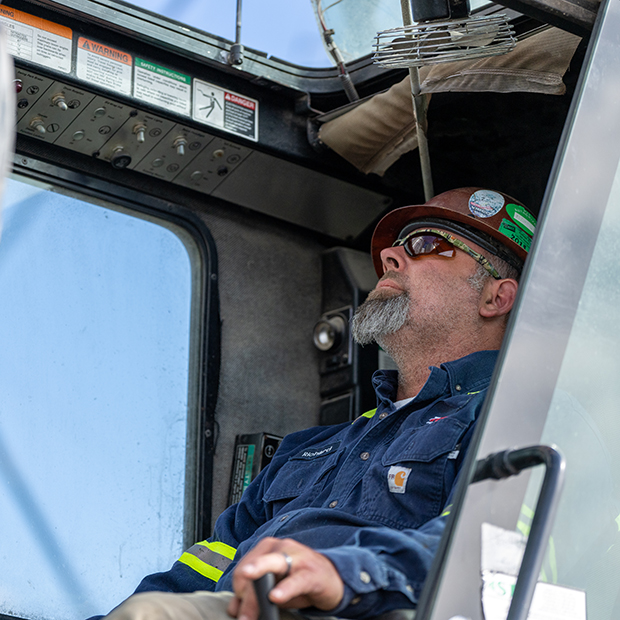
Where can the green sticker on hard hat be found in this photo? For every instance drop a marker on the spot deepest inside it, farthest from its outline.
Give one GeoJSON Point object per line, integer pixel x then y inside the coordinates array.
{"type": "Point", "coordinates": [485, 203]}
{"type": "Point", "coordinates": [514, 233]}
{"type": "Point", "coordinates": [522, 217]}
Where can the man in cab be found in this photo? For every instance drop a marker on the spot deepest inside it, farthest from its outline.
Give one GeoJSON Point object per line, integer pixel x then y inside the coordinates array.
{"type": "Point", "coordinates": [348, 517]}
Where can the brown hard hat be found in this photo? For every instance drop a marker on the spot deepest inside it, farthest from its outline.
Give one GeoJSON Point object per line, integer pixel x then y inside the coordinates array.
{"type": "Point", "coordinates": [506, 224]}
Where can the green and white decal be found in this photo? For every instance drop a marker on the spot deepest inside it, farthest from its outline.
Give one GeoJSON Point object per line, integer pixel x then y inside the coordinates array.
{"type": "Point", "coordinates": [522, 217]}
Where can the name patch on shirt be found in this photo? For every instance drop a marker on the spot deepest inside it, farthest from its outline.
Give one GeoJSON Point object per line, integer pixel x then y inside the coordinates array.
{"type": "Point", "coordinates": [314, 453]}
{"type": "Point", "coordinates": [397, 478]}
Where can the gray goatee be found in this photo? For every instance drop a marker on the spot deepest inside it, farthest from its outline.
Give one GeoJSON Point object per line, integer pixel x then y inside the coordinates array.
{"type": "Point", "coordinates": [378, 317]}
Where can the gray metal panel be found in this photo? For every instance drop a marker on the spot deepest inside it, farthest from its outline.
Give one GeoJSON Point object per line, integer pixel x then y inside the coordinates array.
{"type": "Point", "coordinates": [270, 299]}
{"type": "Point", "coordinates": [552, 287]}
{"type": "Point", "coordinates": [302, 196]}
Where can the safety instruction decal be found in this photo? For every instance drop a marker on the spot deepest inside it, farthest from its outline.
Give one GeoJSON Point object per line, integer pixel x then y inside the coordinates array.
{"type": "Point", "coordinates": [162, 87]}
{"type": "Point", "coordinates": [37, 40]}
{"type": "Point", "coordinates": [225, 109]}
{"type": "Point", "coordinates": [104, 65]}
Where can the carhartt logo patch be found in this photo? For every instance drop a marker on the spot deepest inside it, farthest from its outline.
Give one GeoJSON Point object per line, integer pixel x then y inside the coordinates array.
{"type": "Point", "coordinates": [397, 478]}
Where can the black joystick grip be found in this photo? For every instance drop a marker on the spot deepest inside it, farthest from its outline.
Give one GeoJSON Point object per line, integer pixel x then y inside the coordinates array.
{"type": "Point", "coordinates": [263, 585]}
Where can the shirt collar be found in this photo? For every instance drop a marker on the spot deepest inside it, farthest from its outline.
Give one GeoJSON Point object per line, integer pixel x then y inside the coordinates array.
{"type": "Point", "coordinates": [468, 374]}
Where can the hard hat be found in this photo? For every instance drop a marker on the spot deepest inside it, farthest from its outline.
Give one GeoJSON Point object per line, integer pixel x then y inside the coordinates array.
{"type": "Point", "coordinates": [495, 221]}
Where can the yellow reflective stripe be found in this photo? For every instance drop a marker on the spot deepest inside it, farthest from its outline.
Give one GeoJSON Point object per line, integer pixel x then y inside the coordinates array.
{"type": "Point", "coordinates": [527, 511]}
{"type": "Point", "coordinates": [472, 393]}
{"type": "Point", "coordinates": [219, 547]}
{"type": "Point", "coordinates": [210, 572]}
{"type": "Point", "coordinates": [552, 561]}
{"type": "Point", "coordinates": [368, 414]}
{"type": "Point", "coordinates": [524, 528]}
{"type": "Point", "coordinates": [446, 512]}
{"type": "Point", "coordinates": [210, 559]}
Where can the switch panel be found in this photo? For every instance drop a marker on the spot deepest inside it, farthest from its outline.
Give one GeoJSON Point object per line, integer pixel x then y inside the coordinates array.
{"type": "Point", "coordinates": [212, 166]}
{"type": "Point", "coordinates": [31, 88]}
{"type": "Point", "coordinates": [54, 111]}
{"type": "Point", "coordinates": [140, 133]}
{"type": "Point", "coordinates": [99, 121]}
{"type": "Point", "coordinates": [174, 152]}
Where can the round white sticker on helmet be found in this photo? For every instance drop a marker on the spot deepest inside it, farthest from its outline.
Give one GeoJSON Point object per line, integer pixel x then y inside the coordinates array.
{"type": "Point", "coordinates": [485, 203]}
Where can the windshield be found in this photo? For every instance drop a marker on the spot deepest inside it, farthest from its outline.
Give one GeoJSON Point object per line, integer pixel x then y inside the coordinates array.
{"type": "Point", "coordinates": [289, 29]}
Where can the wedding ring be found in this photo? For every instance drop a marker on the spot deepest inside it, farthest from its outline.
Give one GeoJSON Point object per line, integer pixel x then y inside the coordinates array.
{"type": "Point", "coordinates": [289, 562]}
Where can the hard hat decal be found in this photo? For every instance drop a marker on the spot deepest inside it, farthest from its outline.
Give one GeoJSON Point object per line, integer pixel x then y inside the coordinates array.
{"type": "Point", "coordinates": [514, 233]}
{"type": "Point", "coordinates": [485, 203]}
{"type": "Point", "coordinates": [522, 217]}
{"type": "Point", "coordinates": [397, 478]}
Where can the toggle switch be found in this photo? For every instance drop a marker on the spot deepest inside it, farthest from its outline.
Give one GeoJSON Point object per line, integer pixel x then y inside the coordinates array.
{"type": "Point", "coordinates": [60, 102]}
{"type": "Point", "coordinates": [140, 131]}
{"type": "Point", "coordinates": [37, 124]}
{"type": "Point", "coordinates": [179, 144]}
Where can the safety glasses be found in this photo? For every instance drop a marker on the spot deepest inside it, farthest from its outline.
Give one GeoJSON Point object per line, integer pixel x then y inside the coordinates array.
{"type": "Point", "coordinates": [432, 242]}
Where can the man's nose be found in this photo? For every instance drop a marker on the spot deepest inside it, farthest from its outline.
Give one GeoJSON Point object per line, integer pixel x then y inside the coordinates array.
{"type": "Point", "coordinates": [393, 259]}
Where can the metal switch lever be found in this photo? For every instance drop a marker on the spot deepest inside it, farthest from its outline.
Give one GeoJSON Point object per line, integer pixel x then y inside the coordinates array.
{"type": "Point", "coordinates": [140, 130]}
{"type": "Point", "coordinates": [60, 102]}
{"type": "Point", "coordinates": [179, 144]}
{"type": "Point", "coordinates": [37, 124]}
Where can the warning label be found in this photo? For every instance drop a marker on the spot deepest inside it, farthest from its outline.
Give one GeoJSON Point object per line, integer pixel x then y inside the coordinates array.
{"type": "Point", "coordinates": [104, 66]}
{"type": "Point", "coordinates": [224, 109]}
{"type": "Point", "coordinates": [37, 40]}
{"type": "Point", "coordinates": [162, 87]}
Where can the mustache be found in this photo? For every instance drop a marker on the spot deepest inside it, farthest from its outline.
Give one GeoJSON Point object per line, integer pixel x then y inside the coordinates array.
{"type": "Point", "coordinates": [395, 276]}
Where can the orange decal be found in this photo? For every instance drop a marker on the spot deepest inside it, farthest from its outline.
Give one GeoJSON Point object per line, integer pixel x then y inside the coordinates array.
{"type": "Point", "coordinates": [104, 50]}
{"type": "Point", "coordinates": [36, 22]}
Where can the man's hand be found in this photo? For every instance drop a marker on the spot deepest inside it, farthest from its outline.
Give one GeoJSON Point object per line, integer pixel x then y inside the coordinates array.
{"type": "Point", "coordinates": [312, 581]}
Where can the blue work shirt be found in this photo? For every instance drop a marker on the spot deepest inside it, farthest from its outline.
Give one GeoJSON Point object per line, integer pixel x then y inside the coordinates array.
{"type": "Point", "coordinates": [370, 495]}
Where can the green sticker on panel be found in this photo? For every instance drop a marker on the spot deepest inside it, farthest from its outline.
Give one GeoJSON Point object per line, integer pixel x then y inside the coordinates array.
{"type": "Point", "coordinates": [247, 478]}
{"type": "Point", "coordinates": [514, 233]}
{"type": "Point", "coordinates": [522, 217]}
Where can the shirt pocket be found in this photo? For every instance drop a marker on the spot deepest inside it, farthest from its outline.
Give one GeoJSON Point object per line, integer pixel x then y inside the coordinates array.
{"type": "Point", "coordinates": [300, 477]}
{"type": "Point", "coordinates": [410, 484]}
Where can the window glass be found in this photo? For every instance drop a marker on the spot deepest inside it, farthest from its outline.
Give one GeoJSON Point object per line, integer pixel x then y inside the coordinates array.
{"type": "Point", "coordinates": [94, 333]}
{"type": "Point", "coordinates": [583, 422]}
{"type": "Point", "coordinates": [356, 22]}
{"type": "Point", "coordinates": [286, 29]}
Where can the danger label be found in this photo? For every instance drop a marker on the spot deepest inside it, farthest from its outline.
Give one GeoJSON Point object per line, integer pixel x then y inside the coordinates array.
{"type": "Point", "coordinates": [104, 65]}
{"type": "Point", "coordinates": [37, 40]}
{"type": "Point", "coordinates": [225, 109]}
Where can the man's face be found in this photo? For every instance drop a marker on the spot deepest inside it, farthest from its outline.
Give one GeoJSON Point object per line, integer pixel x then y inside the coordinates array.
{"type": "Point", "coordinates": [431, 294]}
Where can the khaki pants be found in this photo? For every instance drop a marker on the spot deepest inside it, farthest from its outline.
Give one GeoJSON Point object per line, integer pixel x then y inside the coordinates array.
{"type": "Point", "coordinates": [167, 606]}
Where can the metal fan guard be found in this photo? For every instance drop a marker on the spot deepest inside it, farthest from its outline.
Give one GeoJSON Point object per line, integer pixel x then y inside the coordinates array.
{"type": "Point", "coordinates": [431, 43]}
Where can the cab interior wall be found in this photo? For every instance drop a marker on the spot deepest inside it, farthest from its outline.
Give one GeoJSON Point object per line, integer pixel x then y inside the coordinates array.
{"type": "Point", "coordinates": [270, 299]}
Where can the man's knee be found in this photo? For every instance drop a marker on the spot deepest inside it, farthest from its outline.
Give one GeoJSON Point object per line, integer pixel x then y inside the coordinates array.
{"type": "Point", "coordinates": [168, 606]}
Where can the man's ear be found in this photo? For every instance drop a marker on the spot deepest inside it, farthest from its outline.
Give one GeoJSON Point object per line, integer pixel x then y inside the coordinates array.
{"type": "Point", "coordinates": [498, 297]}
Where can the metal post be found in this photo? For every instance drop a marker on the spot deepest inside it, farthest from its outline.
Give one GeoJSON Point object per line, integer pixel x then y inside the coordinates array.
{"type": "Point", "coordinates": [419, 107]}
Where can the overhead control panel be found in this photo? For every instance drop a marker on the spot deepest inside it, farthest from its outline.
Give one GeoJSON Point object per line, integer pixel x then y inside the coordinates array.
{"type": "Point", "coordinates": [108, 104]}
